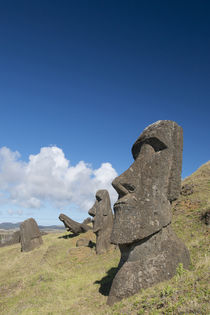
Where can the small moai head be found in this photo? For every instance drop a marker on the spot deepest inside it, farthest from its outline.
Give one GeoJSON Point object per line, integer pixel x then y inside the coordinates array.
{"type": "Point", "coordinates": [101, 212]}
{"type": "Point", "coordinates": [147, 188]}
{"type": "Point", "coordinates": [30, 236]}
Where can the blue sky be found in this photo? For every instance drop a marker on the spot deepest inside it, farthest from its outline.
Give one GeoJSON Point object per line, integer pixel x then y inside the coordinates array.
{"type": "Point", "coordinates": [79, 81]}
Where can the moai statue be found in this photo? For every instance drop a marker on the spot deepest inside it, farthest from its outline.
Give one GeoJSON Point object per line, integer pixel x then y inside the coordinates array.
{"type": "Point", "coordinates": [73, 226]}
{"type": "Point", "coordinates": [103, 221]}
{"type": "Point", "coordinates": [150, 250]}
{"type": "Point", "coordinates": [30, 236]}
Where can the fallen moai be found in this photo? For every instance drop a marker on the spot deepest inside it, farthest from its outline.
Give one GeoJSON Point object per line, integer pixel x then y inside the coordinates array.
{"type": "Point", "coordinates": [102, 221]}
{"type": "Point", "coordinates": [73, 226]}
{"type": "Point", "coordinates": [150, 250]}
{"type": "Point", "coordinates": [30, 236]}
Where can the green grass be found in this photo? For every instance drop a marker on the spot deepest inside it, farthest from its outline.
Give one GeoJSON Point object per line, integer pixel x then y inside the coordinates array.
{"type": "Point", "coordinates": [60, 278]}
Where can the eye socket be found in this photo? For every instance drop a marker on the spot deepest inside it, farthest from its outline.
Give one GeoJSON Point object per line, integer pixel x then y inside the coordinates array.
{"type": "Point", "coordinates": [130, 188]}
{"type": "Point", "coordinates": [153, 141]}
{"type": "Point", "coordinates": [98, 198]}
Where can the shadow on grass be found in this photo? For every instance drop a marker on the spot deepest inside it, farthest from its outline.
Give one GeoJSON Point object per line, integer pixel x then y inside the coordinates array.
{"type": "Point", "coordinates": [106, 282]}
{"type": "Point", "coordinates": [68, 236]}
{"type": "Point", "coordinates": [92, 244]}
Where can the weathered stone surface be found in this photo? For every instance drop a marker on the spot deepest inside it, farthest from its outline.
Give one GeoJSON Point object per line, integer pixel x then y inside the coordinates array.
{"type": "Point", "coordinates": [150, 250]}
{"type": "Point", "coordinates": [87, 221]}
{"type": "Point", "coordinates": [30, 236]}
{"type": "Point", "coordinates": [9, 238]}
{"type": "Point", "coordinates": [102, 221]}
{"type": "Point", "coordinates": [206, 217]}
{"type": "Point", "coordinates": [186, 190]}
{"type": "Point", "coordinates": [73, 226]}
{"type": "Point", "coordinates": [82, 242]}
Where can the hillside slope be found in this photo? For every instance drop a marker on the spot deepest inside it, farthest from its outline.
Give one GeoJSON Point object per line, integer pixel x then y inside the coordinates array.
{"type": "Point", "coordinates": [15, 226]}
{"type": "Point", "coordinates": [60, 278]}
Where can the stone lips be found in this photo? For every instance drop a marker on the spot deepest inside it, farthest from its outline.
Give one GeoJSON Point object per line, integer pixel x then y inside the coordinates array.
{"type": "Point", "coordinates": [150, 250]}
{"type": "Point", "coordinates": [30, 236]}
{"type": "Point", "coordinates": [102, 220]}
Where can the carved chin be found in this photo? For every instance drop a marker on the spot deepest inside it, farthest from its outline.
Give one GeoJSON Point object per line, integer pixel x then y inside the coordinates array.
{"type": "Point", "coordinates": [96, 226]}
{"type": "Point", "coordinates": [96, 230]}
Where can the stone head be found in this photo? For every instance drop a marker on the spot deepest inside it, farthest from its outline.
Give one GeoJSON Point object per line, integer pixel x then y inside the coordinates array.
{"type": "Point", "coordinates": [62, 217]}
{"type": "Point", "coordinates": [147, 188]}
{"type": "Point", "coordinates": [101, 211]}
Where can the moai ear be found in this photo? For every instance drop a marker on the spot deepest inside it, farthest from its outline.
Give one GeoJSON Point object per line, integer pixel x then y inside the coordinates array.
{"type": "Point", "coordinates": [106, 204]}
{"type": "Point", "coordinates": [105, 210]}
{"type": "Point", "coordinates": [174, 186]}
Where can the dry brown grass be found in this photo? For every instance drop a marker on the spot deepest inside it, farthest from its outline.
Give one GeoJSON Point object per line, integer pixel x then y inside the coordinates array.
{"type": "Point", "coordinates": [59, 278]}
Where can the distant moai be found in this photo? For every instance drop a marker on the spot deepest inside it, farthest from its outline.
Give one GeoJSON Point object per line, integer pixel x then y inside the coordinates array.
{"type": "Point", "coordinates": [73, 226]}
{"type": "Point", "coordinates": [30, 236]}
{"type": "Point", "coordinates": [150, 250]}
{"type": "Point", "coordinates": [102, 221]}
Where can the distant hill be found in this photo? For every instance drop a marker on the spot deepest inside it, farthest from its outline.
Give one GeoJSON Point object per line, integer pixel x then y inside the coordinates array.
{"type": "Point", "coordinates": [13, 226]}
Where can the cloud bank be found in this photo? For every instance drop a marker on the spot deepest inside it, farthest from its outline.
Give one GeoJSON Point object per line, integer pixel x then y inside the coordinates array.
{"type": "Point", "coordinates": [49, 177]}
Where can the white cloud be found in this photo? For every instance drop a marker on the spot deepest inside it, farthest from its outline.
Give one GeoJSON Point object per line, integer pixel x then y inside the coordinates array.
{"type": "Point", "coordinates": [48, 176]}
{"type": "Point", "coordinates": [15, 212]}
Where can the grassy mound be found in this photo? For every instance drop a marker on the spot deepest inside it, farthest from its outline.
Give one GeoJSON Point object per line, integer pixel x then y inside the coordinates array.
{"type": "Point", "coordinates": [60, 278]}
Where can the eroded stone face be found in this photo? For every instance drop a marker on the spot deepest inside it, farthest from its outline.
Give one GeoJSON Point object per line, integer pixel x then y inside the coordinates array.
{"type": "Point", "coordinates": [150, 250]}
{"type": "Point", "coordinates": [147, 188]}
{"type": "Point", "coordinates": [103, 221]}
{"type": "Point", "coordinates": [30, 236]}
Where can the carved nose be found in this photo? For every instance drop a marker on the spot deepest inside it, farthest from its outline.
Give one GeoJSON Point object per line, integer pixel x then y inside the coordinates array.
{"type": "Point", "coordinates": [125, 183]}
{"type": "Point", "coordinates": [121, 190]}
{"type": "Point", "coordinates": [92, 211]}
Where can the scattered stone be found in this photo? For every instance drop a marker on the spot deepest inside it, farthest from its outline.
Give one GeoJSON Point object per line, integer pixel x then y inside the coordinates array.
{"type": "Point", "coordinates": [83, 242]}
{"type": "Point", "coordinates": [73, 226]}
{"type": "Point", "coordinates": [102, 221]}
{"type": "Point", "coordinates": [186, 204]}
{"type": "Point", "coordinates": [187, 190]}
{"type": "Point", "coordinates": [206, 217]}
{"type": "Point", "coordinates": [150, 250]}
{"type": "Point", "coordinates": [9, 238]}
{"type": "Point", "coordinates": [30, 236]}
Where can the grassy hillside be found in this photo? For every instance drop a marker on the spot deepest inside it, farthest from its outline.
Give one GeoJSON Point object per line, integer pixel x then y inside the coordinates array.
{"type": "Point", "coordinates": [59, 278]}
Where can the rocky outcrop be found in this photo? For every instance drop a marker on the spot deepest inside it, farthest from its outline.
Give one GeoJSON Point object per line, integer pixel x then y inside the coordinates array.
{"type": "Point", "coordinates": [187, 190]}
